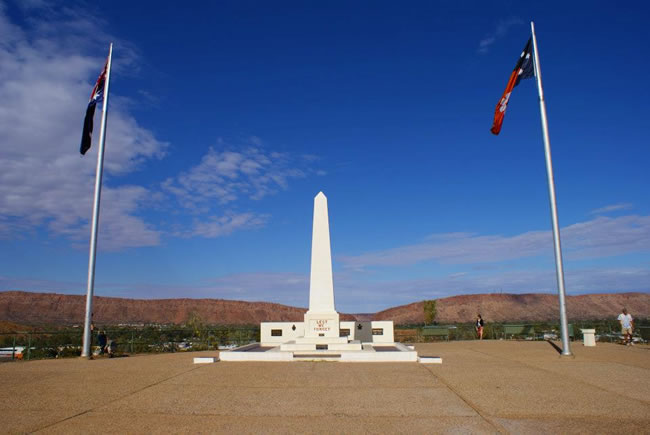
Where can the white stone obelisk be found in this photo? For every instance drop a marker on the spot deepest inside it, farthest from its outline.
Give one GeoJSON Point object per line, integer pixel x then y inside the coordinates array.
{"type": "Point", "coordinates": [321, 320]}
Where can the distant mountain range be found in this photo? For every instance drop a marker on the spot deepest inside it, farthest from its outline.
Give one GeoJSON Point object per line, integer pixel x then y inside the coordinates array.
{"type": "Point", "coordinates": [27, 308]}
{"type": "Point", "coordinates": [522, 308]}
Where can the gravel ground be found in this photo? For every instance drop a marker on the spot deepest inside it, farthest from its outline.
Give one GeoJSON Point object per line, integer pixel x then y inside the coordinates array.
{"type": "Point", "coordinates": [481, 387]}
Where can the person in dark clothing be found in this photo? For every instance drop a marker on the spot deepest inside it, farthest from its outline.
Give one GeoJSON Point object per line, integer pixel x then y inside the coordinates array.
{"type": "Point", "coordinates": [479, 326]}
{"type": "Point", "coordinates": [101, 339]}
{"type": "Point", "coordinates": [92, 337]}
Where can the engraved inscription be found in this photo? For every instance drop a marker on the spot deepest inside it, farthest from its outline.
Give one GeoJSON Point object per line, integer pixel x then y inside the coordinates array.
{"type": "Point", "coordinates": [320, 325]}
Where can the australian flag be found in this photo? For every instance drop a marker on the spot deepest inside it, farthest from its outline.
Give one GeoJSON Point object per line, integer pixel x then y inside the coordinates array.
{"type": "Point", "coordinates": [95, 97]}
{"type": "Point", "coordinates": [523, 70]}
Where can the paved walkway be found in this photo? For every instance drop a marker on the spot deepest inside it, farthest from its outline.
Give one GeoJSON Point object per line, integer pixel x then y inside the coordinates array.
{"type": "Point", "coordinates": [481, 387]}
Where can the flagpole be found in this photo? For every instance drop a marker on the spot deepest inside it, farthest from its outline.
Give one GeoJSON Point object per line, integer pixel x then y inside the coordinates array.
{"type": "Point", "coordinates": [93, 232]}
{"type": "Point", "coordinates": [559, 269]}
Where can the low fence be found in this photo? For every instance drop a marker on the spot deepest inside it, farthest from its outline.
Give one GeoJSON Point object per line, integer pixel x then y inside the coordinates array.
{"type": "Point", "coordinates": [606, 331]}
{"type": "Point", "coordinates": [68, 343]}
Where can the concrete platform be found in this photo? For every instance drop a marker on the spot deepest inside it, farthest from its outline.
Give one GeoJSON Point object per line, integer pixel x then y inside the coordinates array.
{"type": "Point", "coordinates": [341, 352]}
{"type": "Point", "coordinates": [338, 345]}
{"type": "Point", "coordinates": [482, 387]}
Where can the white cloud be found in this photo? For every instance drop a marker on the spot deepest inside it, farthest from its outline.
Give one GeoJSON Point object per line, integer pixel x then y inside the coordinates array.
{"type": "Point", "coordinates": [226, 176]}
{"type": "Point", "coordinates": [605, 236]}
{"type": "Point", "coordinates": [600, 237]}
{"type": "Point", "coordinates": [485, 43]}
{"type": "Point", "coordinates": [39, 285]}
{"type": "Point", "coordinates": [281, 287]}
{"type": "Point", "coordinates": [378, 296]}
{"type": "Point", "coordinates": [49, 66]}
{"type": "Point", "coordinates": [613, 207]}
{"type": "Point", "coordinates": [45, 81]}
{"type": "Point", "coordinates": [501, 30]}
{"type": "Point", "coordinates": [217, 226]}
{"type": "Point", "coordinates": [214, 187]}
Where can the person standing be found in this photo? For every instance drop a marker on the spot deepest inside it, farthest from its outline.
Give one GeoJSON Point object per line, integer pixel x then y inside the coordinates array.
{"type": "Point", "coordinates": [479, 326]}
{"type": "Point", "coordinates": [101, 339]}
{"type": "Point", "coordinates": [627, 324]}
{"type": "Point", "coordinates": [110, 348]}
{"type": "Point", "coordinates": [92, 333]}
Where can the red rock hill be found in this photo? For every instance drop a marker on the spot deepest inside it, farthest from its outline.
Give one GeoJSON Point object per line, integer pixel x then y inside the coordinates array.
{"type": "Point", "coordinates": [56, 309]}
{"type": "Point", "coordinates": [522, 307]}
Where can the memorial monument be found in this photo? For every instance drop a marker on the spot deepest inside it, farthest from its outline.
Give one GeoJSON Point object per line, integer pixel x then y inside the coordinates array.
{"type": "Point", "coordinates": [322, 336]}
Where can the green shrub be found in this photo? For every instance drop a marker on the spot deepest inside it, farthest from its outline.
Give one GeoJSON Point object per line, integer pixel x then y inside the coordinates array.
{"type": "Point", "coordinates": [429, 311]}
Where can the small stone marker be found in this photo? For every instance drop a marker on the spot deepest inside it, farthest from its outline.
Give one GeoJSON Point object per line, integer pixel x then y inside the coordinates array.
{"type": "Point", "coordinates": [589, 337]}
{"type": "Point", "coordinates": [205, 360]}
{"type": "Point", "coordinates": [429, 360]}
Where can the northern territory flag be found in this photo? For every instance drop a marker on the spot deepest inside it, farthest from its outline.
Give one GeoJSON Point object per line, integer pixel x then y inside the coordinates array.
{"type": "Point", "coordinates": [96, 96]}
{"type": "Point", "coordinates": [523, 70]}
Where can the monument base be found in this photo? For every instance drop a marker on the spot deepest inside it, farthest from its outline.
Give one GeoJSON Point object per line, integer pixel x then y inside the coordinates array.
{"type": "Point", "coordinates": [321, 340]}
{"type": "Point", "coordinates": [384, 352]}
{"type": "Point", "coordinates": [321, 343]}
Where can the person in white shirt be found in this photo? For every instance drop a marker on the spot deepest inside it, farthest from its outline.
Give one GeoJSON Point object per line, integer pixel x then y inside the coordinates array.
{"type": "Point", "coordinates": [627, 323]}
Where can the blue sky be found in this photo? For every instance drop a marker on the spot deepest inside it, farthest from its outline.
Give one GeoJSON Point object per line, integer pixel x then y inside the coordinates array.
{"type": "Point", "coordinates": [227, 118]}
